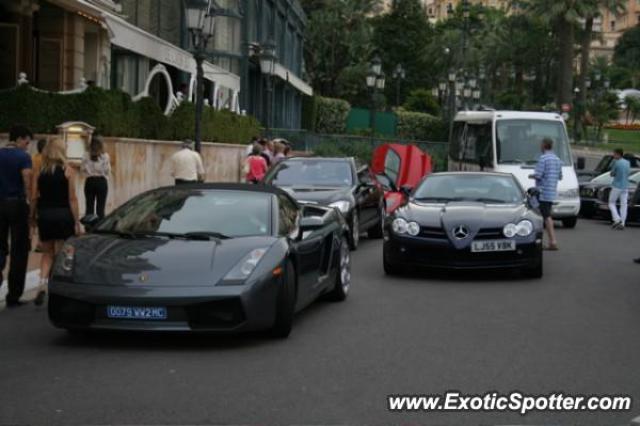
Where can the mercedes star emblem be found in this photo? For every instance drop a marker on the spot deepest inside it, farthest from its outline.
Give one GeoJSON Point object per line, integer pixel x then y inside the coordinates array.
{"type": "Point", "coordinates": [460, 232]}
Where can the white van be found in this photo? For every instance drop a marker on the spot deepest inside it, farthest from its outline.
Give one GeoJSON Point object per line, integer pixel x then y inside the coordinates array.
{"type": "Point", "coordinates": [509, 142]}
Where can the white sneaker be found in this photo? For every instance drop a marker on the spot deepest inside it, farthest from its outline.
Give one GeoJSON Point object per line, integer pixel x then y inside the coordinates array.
{"type": "Point", "coordinates": [615, 224]}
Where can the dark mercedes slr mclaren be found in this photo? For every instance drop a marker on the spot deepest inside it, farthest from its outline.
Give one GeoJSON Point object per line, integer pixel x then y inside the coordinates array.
{"type": "Point", "coordinates": [205, 257]}
{"type": "Point", "coordinates": [465, 221]}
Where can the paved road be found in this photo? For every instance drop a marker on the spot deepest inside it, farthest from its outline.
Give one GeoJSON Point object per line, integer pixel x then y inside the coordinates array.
{"type": "Point", "coordinates": [577, 331]}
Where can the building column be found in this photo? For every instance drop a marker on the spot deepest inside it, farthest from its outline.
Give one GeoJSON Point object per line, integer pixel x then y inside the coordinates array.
{"type": "Point", "coordinates": [73, 51]}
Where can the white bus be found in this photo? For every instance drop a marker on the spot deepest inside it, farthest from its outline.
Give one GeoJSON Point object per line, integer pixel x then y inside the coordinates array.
{"type": "Point", "coordinates": [509, 142]}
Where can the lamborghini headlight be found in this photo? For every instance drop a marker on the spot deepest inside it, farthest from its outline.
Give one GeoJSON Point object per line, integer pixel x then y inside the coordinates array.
{"type": "Point", "coordinates": [343, 206]}
{"type": "Point", "coordinates": [65, 262]}
{"type": "Point", "coordinates": [246, 266]}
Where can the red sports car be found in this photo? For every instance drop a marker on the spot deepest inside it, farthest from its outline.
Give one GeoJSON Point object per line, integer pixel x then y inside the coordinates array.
{"type": "Point", "coordinates": [399, 166]}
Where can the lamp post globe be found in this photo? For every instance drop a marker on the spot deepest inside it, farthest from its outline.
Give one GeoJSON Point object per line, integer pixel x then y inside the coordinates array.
{"type": "Point", "coordinates": [376, 65]}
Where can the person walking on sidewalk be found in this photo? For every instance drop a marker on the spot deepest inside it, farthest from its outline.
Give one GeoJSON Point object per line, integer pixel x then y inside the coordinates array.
{"type": "Point", "coordinates": [547, 175]}
{"type": "Point", "coordinates": [255, 166]}
{"type": "Point", "coordinates": [186, 165]}
{"type": "Point", "coordinates": [96, 166]}
{"type": "Point", "coordinates": [54, 208]}
{"type": "Point", "coordinates": [15, 187]}
{"type": "Point", "coordinates": [619, 189]}
{"type": "Point", "coordinates": [36, 160]}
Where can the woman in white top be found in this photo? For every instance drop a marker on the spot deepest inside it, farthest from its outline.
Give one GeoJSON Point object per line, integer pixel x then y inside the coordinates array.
{"type": "Point", "coordinates": [96, 166]}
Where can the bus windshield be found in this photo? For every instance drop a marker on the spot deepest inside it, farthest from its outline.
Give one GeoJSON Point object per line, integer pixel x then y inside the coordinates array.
{"type": "Point", "coordinates": [518, 141]}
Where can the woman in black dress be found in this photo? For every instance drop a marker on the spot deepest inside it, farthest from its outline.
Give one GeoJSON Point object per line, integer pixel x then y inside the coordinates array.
{"type": "Point", "coordinates": [54, 208]}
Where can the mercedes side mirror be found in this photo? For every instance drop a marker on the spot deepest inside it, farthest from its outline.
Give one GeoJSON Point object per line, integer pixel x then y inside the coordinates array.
{"type": "Point", "coordinates": [581, 163]}
{"type": "Point", "coordinates": [533, 192]}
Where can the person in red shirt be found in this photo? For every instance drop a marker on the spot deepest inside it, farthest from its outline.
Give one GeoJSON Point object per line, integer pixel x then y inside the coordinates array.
{"type": "Point", "coordinates": [255, 166]}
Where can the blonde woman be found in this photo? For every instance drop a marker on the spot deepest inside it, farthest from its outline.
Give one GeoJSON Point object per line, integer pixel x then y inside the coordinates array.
{"type": "Point", "coordinates": [54, 207]}
{"type": "Point", "coordinates": [279, 149]}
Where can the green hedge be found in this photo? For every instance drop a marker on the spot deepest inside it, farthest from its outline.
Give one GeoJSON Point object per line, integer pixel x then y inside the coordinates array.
{"type": "Point", "coordinates": [421, 127]}
{"type": "Point", "coordinates": [113, 113]}
{"type": "Point", "coordinates": [331, 115]}
{"type": "Point", "coordinates": [361, 150]}
{"type": "Point", "coordinates": [325, 115]}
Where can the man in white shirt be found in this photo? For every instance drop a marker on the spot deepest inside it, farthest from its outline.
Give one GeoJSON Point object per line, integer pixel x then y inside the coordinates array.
{"type": "Point", "coordinates": [186, 165]}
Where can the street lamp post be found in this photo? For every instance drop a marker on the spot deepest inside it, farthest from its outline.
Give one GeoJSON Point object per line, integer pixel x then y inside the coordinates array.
{"type": "Point", "coordinates": [452, 98]}
{"type": "Point", "coordinates": [576, 115]}
{"type": "Point", "coordinates": [201, 24]}
{"type": "Point", "coordinates": [268, 59]}
{"type": "Point", "coordinates": [465, 15]}
{"type": "Point", "coordinates": [399, 74]}
{"type": "Point", "coordinates": [375, 83]}
{"type": "Point", "coordinates": [442, 98]}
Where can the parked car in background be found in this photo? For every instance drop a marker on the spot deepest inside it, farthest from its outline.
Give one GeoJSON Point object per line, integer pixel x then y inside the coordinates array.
{"type": "Point", "coordinates": [589, 191]}
{"type": "Point", "coordinates": [633, 205]}
{"type": "Point", "coordinates": [399, 166]}
{"type": "Point", "coordinates": [338, 183]}
{"type": "Point", "coordinates": [202, 257]}
{"type": "Point", "coordinates": [604, 165]}
{"type": "Point", "coordinates": [465, 220]}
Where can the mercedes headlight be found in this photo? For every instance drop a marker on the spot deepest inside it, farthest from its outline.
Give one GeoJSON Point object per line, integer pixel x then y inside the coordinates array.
{"type": "Point", "coordinates": [343, 206]}
{"type": "Point", "coordinates": [399, 226]}
{"type": "Point", "coordinates": [413, 229]}
{"type": "Point", "coordinates": [524, 228]}
{"type": "Point", "coordinates": [246, 266]}
{"type": "Point", "coordinates": [569, 193]}
{"type": "Point", "coordinates": [510, 230]}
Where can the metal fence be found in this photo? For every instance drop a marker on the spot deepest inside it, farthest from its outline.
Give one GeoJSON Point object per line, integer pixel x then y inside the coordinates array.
{"type": "Point", "coordinates": [303, 140]}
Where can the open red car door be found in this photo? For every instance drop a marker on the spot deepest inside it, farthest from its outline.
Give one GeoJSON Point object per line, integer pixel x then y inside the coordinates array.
{"type": "Point", "coordinates": [399, 166]}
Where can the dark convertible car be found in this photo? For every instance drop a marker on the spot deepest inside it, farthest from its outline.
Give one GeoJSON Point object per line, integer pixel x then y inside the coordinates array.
{"type": "Point", "coordinates": [338, 183]}
{"type": "Point", "coordinates": [465, 221]}
{"type": "Point", "coordinates": [206, 257]}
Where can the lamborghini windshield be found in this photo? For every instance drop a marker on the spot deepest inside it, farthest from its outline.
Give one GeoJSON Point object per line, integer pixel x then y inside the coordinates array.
{"type": "Point", "coordinates": [189, 212]}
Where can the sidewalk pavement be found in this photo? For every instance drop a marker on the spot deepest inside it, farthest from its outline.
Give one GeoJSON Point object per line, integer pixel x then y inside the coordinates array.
{"type": "Point", "coordinates": [33, 277]}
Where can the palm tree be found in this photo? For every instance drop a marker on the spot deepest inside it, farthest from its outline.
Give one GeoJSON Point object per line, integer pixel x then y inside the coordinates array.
{"type": "Point", "coordinates": [564, 16]}
{"type": "Point", "coordinates": [592, 9]}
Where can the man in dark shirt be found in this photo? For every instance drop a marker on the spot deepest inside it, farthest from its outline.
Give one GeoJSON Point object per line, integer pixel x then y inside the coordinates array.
{"type": "Point", "coordinates": [15, 188]}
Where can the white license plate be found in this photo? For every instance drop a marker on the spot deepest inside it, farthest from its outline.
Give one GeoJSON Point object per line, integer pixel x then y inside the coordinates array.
{"type": "Point", "coordinates": [493, 245]}
{"type": "Point", "coordinates": [137, 312]}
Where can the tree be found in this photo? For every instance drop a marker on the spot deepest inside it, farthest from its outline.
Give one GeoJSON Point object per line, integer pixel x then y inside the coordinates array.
{"type": "Point", "coordinates": [632, 108]}
{"type": "Point", "coordinates": [603, 109]}
{"type": "Point", "coordinates": [563, 16]}
{"type": "Point", "coordinates": [627, 53]}
{"type": "Point", "coordinates": [421, 100]}
{"type": "Point", "coordinates": [338, 47]}
{"type": "Point", "coordinates": [592, 10]}
{"type": "Point", "coordinates": [401, 37]}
